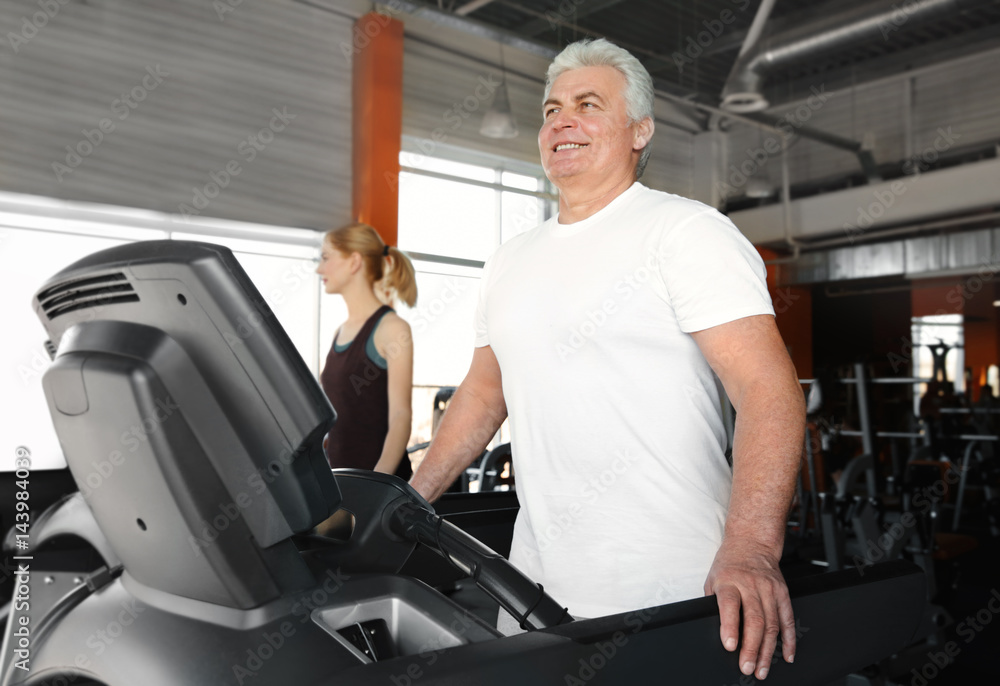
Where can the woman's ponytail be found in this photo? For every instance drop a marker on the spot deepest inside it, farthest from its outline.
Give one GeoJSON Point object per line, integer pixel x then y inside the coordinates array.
{"type": "Point", "coordinates": [400, 276]}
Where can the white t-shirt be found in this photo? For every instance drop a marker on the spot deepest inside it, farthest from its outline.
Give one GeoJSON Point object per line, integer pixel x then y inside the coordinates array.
{"type": "Point", "coordinates": [615, 415]}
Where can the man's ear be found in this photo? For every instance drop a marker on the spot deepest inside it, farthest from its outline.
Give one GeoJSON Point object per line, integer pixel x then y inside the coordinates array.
{"type": "Point", "coordinates": [642, 133]}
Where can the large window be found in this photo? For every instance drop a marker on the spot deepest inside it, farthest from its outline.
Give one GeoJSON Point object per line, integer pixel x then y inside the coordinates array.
{"type": "Point", "coordinates": [941, 335]}
{"type": "Point", "coordinates": [455, 209]}
{"type": "Point", "coordinates": [39, 237]}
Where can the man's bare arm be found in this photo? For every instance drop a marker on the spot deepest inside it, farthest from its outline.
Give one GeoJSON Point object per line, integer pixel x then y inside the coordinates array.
{"type": "Point", "coordinates": [474, 414]}
{"type": "Point", "coordinates": [751, 361]}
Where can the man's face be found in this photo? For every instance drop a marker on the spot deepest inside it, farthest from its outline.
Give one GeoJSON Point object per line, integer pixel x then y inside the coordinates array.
{"type": "Point", "coordinates": [586, 134]}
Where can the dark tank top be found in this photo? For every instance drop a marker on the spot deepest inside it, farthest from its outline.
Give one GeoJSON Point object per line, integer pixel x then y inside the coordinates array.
{"type": "Point", "coordinates": [358, 390]}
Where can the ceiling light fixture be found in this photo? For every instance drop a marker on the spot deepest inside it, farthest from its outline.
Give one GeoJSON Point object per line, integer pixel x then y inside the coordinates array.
{"type": "Point", "coordinates": [498, 121]}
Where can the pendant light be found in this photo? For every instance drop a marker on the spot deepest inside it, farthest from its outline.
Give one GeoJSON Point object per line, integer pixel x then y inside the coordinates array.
{"type": "Point", "coordinates": [498, 121]}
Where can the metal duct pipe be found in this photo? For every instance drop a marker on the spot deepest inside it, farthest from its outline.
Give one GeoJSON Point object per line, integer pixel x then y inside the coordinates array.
{"type": "Point", "coordinates": [743, 91]}
{"type": "Point", "coordinates": [757, 27]}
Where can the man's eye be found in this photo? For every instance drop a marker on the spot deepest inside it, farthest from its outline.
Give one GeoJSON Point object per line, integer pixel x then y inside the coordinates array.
{"type": "Point", "coordinates": [549, 111]}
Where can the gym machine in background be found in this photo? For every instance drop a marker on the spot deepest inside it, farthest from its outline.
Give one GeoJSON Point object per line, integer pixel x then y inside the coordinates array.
{"type": "Point", "coordinates": [891, 499]}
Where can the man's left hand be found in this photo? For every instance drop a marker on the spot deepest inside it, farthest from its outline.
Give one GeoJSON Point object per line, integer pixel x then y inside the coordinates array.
{"type": "Point", "coordinates": [746, 575]}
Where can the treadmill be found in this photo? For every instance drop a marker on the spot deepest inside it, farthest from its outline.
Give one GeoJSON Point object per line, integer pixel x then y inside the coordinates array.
{"type": "Point", "coordinates": [193, 430]}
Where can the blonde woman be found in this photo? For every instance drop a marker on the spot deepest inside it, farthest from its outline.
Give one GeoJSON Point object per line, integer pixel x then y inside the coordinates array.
{"type": "Point", "coordinates": [368, 375]}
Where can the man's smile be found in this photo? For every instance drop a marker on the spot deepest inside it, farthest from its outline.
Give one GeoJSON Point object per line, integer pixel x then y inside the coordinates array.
{"type": "Point", "coordinates": [569, 146]}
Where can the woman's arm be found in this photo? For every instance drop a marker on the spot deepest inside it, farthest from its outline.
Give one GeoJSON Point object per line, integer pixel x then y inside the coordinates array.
{"type": "Point", "coordinates": [394, 342]}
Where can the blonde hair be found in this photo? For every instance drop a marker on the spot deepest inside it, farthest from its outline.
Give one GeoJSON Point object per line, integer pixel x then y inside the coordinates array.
{"type": "Point", "coordinates": [386, 265]}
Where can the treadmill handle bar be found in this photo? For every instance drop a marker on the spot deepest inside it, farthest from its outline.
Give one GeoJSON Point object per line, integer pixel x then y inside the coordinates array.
{"type": "Point", "coordinates": [524, 599]}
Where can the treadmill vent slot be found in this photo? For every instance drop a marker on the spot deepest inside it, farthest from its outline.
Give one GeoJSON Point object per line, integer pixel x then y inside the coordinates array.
{"type": "Point", "coordinates": [78, 294]}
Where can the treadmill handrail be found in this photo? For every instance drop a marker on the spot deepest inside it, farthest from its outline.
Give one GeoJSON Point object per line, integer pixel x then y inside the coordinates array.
{"type": "Point", "coordinates": [523, 598]}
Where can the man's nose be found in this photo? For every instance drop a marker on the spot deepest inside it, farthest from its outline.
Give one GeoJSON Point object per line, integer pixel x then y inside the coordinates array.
{"type": "Point", "coordinates": [563, 120]}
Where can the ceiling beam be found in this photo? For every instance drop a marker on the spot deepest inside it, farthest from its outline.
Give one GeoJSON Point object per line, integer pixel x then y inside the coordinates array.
{"type": "Point", "coordinates": [472, 6]}
{"type": "Point", "coordinates": [685, 98]}
{"type": "Point", "coordinates": [537, 26]}
{"type": "Point", "coordinates": [471, 26]}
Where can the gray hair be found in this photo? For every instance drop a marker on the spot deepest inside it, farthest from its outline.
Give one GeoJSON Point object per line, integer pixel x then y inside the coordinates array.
{"type": "Point", "coordinates": [601, 53]}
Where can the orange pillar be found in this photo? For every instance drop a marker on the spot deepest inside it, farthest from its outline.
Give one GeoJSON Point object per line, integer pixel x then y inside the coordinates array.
{"type": "Point", "coordinates": [793, 315]}
{"type": "Point", "coordinates": [377, 123]}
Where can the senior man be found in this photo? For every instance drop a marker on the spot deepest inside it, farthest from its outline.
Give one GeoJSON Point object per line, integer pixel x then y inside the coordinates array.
{"type": "Point", "coordinates": [602, 334]}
